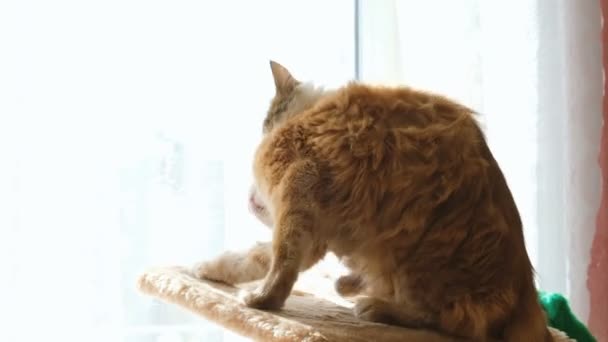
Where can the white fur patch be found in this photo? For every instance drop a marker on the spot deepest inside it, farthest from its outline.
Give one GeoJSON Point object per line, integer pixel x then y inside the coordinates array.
{"type": "Point", "coordinates": [307, 94]}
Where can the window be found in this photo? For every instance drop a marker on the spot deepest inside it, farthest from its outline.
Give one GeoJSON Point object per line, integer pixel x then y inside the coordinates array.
{"type": "Point", "coordinates": [127, 131]}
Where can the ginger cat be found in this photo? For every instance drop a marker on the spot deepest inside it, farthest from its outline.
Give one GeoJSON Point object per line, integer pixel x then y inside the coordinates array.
{"type": "Point", "coordinates": [401, 185]}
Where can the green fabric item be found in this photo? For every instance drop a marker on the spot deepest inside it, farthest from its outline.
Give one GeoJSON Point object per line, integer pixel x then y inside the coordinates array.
{"type": "Point", "coordinates": [561, 317]}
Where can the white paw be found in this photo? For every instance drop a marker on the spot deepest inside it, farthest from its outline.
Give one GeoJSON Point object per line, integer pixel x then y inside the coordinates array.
{"type": "Point", "coordinates": [210, 270]}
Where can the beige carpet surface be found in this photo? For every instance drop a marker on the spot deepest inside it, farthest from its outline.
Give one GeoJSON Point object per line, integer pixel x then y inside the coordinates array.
{"type": "Point", "coordinates": [305, 317]}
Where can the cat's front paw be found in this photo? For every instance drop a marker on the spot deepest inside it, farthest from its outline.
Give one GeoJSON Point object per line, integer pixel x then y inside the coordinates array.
{"type": "Point", "coordinates": [258, 299]}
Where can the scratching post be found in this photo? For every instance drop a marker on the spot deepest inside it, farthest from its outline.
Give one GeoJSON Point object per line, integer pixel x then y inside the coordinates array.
{"type": "Point", "coordinates": [306, 317]}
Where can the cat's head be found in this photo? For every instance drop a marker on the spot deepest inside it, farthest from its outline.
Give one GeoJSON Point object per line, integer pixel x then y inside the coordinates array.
{"type": "Point", "coordinates": [291, 97]}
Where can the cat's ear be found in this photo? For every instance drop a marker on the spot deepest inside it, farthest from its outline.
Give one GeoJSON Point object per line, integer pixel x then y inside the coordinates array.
{"type": "Point", "coordinates": [283, 80]}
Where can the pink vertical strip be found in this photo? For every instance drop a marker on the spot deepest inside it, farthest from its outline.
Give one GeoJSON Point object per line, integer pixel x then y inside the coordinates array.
{"type": "Point", "coordinates": [597, 280]}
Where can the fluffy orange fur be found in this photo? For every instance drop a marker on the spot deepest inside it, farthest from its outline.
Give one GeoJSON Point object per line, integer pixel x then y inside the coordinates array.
{"type": "Point", "coordinates": [402, 186]}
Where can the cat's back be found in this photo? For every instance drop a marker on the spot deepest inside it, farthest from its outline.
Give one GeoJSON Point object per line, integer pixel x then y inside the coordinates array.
{"type": "Point", "coordinates": [387, 129]}
{"type": "Point", "coordinates": [361, 108]}
{"type": "Point", "coordinates": [381, 145]}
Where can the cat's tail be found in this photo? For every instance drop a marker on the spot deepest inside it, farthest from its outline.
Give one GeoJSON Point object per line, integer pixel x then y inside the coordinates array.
{"type": "Point", "coordinates": [528, 322]}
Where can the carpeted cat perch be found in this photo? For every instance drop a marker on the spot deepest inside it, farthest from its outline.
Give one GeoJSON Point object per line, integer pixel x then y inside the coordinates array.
{"type": "Point", "coordinates": [306, 317]}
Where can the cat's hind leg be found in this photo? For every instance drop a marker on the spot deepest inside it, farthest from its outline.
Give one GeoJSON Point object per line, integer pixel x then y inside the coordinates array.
{"type": "Point", "coordinates": [468, 322]}
{"type": "Point", "coordinates": [380, 311]}
{"type": "Point", "coordinates": [237, 267]}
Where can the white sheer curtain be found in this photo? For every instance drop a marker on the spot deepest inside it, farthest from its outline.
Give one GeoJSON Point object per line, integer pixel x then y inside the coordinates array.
{"type": "Point", "coordinates": [126, 133]}
{"type": "Point", "coordinates": [533, 71]}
